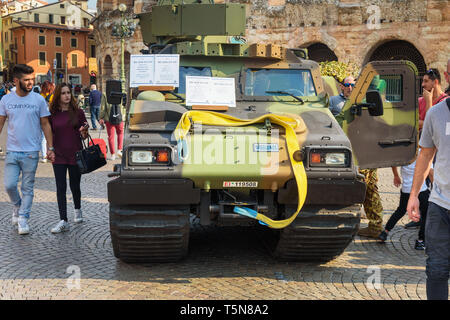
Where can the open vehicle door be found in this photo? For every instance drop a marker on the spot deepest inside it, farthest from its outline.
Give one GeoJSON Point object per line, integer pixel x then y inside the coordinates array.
{"type": "Point", "coordinates": [381, 115]}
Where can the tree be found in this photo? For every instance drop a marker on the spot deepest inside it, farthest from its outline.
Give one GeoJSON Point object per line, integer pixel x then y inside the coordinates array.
{"type": "Point", "coordinates": [339, 70]}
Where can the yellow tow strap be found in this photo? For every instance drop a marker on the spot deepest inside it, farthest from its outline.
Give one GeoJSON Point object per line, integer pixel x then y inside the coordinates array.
{"type": "Point", "coordinates": [219, 119]}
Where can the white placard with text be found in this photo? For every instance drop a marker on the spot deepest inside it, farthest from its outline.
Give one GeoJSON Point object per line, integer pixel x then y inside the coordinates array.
{"type": "Point", "coordinates": [154, 70]}
{"type": "Point", "coordinates": [204, 91]}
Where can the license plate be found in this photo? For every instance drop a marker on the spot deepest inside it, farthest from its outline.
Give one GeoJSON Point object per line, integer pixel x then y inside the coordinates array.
{"type": "Point", "coordinates": [240, 184]}
{"type": "Point", "coordinates": [265, 147]}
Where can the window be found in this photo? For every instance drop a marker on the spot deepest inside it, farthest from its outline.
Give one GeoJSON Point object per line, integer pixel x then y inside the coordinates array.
{"type": "Point", "coordinates": [86, 23]}
{"type": "Point", "coordinates": [61, 6]}
{"type": "Point", "coordinates": [58, 32]}
{"type": "Point", "coordinates": [58, 42]}
{"type": "Point", "coordinates": [23, 39]}
{"type": "Point", "coordinates": [73, 42]}
{"type": "Point", "coordinates": [50, 18]}
{"type": "Point", "coordinates": [74, 60]}
{"type": "Point", "coordinates": [42, 40]}
{"type": "Point", "coordinates": [389, 86]}
{"type": "Point", "coordinates": [258, 82]}
{"type": "Point", "coordinates": [42, 59]}
{"type": "Point", "coordinates": [63, 20]}
{"type": "Point", "coordinates": [36, 17]}
{"type": "Point", "coordinates": [190, 71]}
{"type": "Point", "coordinates": [58, 58]}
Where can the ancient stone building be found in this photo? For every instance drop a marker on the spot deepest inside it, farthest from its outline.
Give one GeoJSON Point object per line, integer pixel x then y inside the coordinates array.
{"type": "Point", "coordinates": [347, 30]}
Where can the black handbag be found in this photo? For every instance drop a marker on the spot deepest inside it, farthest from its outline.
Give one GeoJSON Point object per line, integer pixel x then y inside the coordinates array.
{"type": "Point", "coordinates": [90, 157]}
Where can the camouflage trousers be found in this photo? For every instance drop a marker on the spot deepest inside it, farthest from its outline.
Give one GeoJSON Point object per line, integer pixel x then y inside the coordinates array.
{"type": "Point", "coordinates": [372, 202]}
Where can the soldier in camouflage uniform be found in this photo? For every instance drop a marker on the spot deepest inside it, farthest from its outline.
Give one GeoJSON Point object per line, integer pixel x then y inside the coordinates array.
{"type": "Point", "coordinates": [372, 205]}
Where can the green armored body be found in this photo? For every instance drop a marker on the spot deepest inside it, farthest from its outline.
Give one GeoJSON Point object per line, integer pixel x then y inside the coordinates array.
{"type": "Point", "coordinates": [277, 158]}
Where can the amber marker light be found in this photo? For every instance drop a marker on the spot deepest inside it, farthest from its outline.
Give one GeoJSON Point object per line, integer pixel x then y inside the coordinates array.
{"type": "Point", "coordinates": [315, 157]}
{"type": "Point", "coordinates": [162, 156]}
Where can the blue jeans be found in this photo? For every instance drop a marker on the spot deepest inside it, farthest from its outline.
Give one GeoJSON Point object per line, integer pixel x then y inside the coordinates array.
{"type": "Point", "coordinates": [437, 243]}
{"type": "Point", "coordinates": [15, 163]}
{"type": "Point", "coordinates": [95, 112]}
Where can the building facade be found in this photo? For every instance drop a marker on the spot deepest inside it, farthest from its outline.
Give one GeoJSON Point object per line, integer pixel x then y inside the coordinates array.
{"type": "Point", "coordinates": [356, 31]}
{"type": "Point", "coordinates": [54, 39]}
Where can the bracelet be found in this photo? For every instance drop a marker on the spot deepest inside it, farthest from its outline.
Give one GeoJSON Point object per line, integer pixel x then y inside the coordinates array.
{"type": "Point", "coordinates": [51, 149]}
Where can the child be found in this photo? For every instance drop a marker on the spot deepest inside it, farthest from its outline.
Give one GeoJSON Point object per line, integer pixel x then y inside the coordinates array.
{"type": "Point", "coordinates": [407, 173]}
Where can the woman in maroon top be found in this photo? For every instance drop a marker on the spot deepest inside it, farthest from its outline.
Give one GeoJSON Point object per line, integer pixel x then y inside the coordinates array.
{"type": "Point", "coordinates": [68, 124]}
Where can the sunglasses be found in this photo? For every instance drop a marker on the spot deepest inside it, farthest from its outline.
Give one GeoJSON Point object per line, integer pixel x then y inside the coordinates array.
{"type": "Point", "coordinates": [432, 72]}
{"type": "Point", "coordinates": [348, 85]}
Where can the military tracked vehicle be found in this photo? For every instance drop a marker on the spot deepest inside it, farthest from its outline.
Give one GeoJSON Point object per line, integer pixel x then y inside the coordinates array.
{"type": "Point", "coordinates": [231, 175]}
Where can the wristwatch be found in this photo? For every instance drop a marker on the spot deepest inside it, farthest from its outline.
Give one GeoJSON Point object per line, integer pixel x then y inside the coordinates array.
{"type": "Point", "coordinates": [51, 149]}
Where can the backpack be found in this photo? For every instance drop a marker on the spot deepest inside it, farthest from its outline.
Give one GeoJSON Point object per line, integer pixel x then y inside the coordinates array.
{"type": "Point", "coordinates": [115, 115]}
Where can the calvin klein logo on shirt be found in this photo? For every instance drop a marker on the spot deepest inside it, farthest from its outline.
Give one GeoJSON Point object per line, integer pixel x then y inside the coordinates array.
{"type": "Point", "coordinates": [21, 106]}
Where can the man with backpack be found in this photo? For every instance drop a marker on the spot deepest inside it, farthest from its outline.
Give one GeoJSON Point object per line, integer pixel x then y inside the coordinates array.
{"type": "Point", "coordinates": [113, 116]}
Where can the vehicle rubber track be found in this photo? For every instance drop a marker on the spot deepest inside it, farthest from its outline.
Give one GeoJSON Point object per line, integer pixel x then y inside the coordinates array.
{"type": "Point", "coordinates": [149, 233]}
{"type": "Point", "coordinates": [317, 234]}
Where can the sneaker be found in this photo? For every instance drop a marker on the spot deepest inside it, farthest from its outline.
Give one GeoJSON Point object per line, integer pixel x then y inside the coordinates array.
{"type": "Point", "coordinates": [420, 245]}
{"type": "Point", "coordinates": [412, 224]}
{"type": "Point", "coordinates": [61, 227]}
{"type": "Point", "coordinates": [112, 157]}
{"type": "Point", "coordinates": [23, 227]}
{"type": "Point", "coordinates": [15, 216]}
{"type": "Point", "coordinates": [78, 216]}
{"type": "Point", "coordinates": [382, 236]}
{"type": "Point", "coordinates": [43, 160]}
{"type": "Point", "coordinates": [119, 153]}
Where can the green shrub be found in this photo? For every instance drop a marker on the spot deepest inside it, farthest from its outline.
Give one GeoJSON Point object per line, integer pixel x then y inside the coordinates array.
{"type": "Point", "coordinates": [339, 70]}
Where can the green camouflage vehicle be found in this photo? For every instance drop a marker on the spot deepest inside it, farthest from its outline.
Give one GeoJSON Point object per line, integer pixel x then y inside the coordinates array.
{"type": "Point", "coordinates": [234, 175]}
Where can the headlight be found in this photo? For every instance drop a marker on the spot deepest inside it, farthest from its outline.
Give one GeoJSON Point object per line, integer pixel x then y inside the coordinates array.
{"type": "Point", "coordinates": [329, 158]}
{"type": "Point", "coordinates": [335, 159]}
{"type": "Point", "coordinates": [141, 156]}
{"type": "Point", "coordinates": [152, 155]}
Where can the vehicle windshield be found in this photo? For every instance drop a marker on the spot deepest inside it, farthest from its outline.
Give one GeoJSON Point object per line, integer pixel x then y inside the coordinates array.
{"type": "Point", "coordinates": [296, 82]}
{"type": "Point", "coordinates": [191, 71]}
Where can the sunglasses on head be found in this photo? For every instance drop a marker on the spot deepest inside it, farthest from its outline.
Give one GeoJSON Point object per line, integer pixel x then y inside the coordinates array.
{"type": "Point", "coordinates": [432, 72]}
{"type": "Point", "coordinates": [348, 85]}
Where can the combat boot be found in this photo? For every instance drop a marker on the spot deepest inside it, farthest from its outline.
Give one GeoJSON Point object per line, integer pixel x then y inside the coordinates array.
{"type": "Point", "coordinates": [369, 232]}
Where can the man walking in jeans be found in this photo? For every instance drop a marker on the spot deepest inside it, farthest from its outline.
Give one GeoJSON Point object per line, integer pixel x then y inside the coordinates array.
{"type": "Point", "coordinates": [95, 98]}
{"type": "Point", "coordinates": [27, 115]}
{"type": "Point", "coordinates": [435, 137]}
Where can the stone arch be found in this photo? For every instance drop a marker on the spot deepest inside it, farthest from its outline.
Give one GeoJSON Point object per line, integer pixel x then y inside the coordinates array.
{"type": "Point", "coordinates": [397, 50]}
{"type": "Point", "coordinates": [320, 52]}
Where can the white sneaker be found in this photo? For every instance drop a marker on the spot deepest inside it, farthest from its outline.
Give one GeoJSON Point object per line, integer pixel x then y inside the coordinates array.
{"type": "Point", "coordinates": [78, 216]}
{"type": "Point", "coordinates": [15, 216]}
{"type": "Point", "coordinates": [61, 227]}
{"type": "Point", "coordinates": [119, 153]}
{"type": "Point", "coordinates": [22, 223]}
{"type": "Point", "coordinates": [43, 160]}
{"type": "Point", "coordinates": [112, 157]}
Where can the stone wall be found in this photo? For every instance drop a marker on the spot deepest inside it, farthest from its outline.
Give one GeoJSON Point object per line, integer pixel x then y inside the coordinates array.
{"type": "Point", "coordinates": [348, 27]}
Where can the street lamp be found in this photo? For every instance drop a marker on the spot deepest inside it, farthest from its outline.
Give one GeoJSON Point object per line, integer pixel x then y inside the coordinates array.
{"type": "Point", "coordinates": [122, 30]}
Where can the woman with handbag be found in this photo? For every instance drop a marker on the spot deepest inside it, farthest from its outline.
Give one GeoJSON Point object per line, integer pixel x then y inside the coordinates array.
{"type": "Point", "coordinates": [69, 125]}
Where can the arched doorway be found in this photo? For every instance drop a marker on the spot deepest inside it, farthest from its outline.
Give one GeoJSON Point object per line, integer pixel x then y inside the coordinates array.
{"type": "Point", "coordinates": [320, 52]}
{"type": "Point", "coordinates": [398, 50]}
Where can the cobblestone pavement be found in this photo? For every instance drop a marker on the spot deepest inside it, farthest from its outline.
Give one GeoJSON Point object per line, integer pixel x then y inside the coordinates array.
{"type": "Point", "coordinates": [223, 263]}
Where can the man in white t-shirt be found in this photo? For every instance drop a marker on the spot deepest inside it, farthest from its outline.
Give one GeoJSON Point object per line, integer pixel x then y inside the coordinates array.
{"type": "Point", "coordinates": [407, 173]}
{"type": "Point", "coordinates": [27, 114]}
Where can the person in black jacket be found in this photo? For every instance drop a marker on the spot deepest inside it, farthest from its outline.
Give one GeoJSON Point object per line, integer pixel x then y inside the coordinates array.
{"type": "Point", "coordinates": [95, 98]}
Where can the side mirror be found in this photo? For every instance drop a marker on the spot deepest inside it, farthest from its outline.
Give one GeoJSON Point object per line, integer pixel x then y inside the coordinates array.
{"type": "Point", "coordinates": [373, 98]}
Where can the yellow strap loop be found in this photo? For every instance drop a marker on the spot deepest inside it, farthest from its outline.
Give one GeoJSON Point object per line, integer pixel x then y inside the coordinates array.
{"type": "Point", "coordinates": [218, 119]}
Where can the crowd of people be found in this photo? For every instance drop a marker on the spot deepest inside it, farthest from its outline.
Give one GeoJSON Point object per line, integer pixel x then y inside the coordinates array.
{"type": "Point", "coordinates": [425, 183]}
{"type": "Point", "coordinates": [56, 124]}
